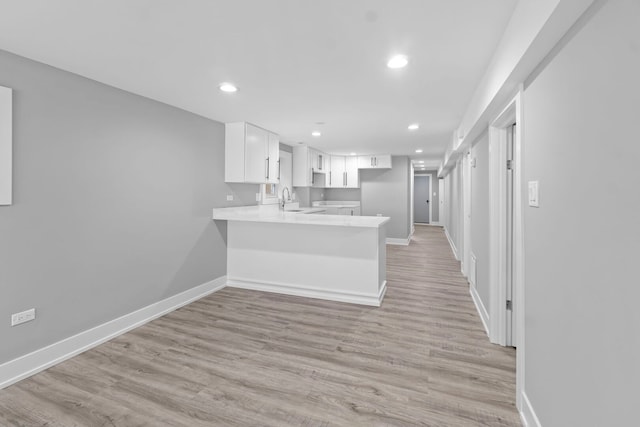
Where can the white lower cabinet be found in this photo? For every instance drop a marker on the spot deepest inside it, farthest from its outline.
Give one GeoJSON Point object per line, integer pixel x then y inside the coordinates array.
{"type": "Point", "coordinates": [353, 211]}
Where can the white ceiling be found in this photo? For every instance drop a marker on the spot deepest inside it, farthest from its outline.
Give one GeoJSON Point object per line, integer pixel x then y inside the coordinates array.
{"type": "Point", "coordinates": [296, 62]}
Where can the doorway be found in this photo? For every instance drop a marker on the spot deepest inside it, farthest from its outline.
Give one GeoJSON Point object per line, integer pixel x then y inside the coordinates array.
{"type": "Point", "coordinates": [506, 248]}
{"type": "Point", "coordinates": [421, 192]}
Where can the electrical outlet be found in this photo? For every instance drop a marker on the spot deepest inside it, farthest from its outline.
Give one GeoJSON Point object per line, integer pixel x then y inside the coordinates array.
{"type": "Point", "coordinates": [23, 316]}
{"type": "Point", "coordinates": [229, 197]}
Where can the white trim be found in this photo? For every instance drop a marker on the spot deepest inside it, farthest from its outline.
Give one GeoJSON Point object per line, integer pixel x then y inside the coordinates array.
{"type": "Point", "coordinates": [466, 213]}
{"type": "Point", "coordinates": [430, 196]}
{"type": "Point", "coordinates": [453, 246]}
{"type": "Point", "coordinates": [310, 292]}
{"type": "Point", "coordinates": [41, 359]}
{"type": "Point", "coordinates": [397, 241]}
{"type": "Point", "coordinates": [436, 224]}
{"type": "Point", "coordinates": [527, 414]}
{"type": "Point", "coordinates": [482, 311]}
{"type": "Point", "coordinates": [513, 112]}
{"type": "Point", "coordinates": [441, 199]}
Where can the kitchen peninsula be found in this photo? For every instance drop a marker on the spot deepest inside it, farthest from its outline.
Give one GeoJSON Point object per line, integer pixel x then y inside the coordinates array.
{"type": "Point", "coordinates": [334, 257]}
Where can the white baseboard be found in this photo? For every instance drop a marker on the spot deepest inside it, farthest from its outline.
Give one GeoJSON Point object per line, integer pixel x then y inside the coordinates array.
{"type": "Point", "coordinates": [527, 414]}
{"type": "Point", "coordinates": [310, 292]}
{"type": "Point", "coordinates": [482, 311]}
{"type": "Point", "coordinates": [41, 359]}
{"type": "Point", "coordinates": [396, 241]}
{"type": "Point", "coordinates": [453, 247]}
{"type": "Point", "coordinates": [436, 224]}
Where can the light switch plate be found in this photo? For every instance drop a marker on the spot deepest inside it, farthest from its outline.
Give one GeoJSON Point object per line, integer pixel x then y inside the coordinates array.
{"type": "Point", "coordinates": [534, 197]}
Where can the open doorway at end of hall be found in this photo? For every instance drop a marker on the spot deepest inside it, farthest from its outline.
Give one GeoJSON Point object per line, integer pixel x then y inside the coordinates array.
{"type": "Point", "coordinates": [421, 200]}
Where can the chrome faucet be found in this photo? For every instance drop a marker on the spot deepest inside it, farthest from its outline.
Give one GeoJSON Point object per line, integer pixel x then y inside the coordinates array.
{"type": "Point", "coordinates": [284, 201]}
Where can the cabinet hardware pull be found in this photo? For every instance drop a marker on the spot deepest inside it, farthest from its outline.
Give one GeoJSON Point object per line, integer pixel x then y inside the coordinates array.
{"type": "Point", "coordinates": [313, 178]}
{"type": "Point", "coordinates": [372, 161]}
{"type": "Point", "coordinates": [267, 168]}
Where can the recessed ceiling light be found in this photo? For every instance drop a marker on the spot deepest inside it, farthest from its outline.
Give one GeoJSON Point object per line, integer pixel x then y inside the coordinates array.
{"type": "Point", "coordinates": [421, 161]}
{"type": "Point", "coordinates": [398, 61]}
{"type": "Point", "coordinates": [413, 126]}
{"type": "Point", "coordinates": [353, 154]}
{"type": "Point", "coordinates": [315, 133]}
{"type": "Point", "coordinates": [228, 87]}
{"type": "Point", "coordinates": [418, 151]}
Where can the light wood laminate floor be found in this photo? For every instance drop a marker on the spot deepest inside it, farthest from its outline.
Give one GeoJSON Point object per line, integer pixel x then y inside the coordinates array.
{"type": "Point", "coordinates": [246, 358]}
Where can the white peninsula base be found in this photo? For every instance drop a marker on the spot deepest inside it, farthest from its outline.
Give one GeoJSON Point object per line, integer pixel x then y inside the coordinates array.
{"type": "Point", "coordinates": [317, 256]}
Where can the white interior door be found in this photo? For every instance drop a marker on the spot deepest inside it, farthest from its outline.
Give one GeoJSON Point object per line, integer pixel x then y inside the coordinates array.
{"type": "Point", "coordinates": [421, 199]}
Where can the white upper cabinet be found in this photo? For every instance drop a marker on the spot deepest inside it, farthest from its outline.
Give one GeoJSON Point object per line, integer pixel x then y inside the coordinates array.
{"type": "Point", "coordinates": [352, 176]}
{"type": "Point", "coordinates": [273, 157]}
{"type": "Point", "coordinates": [307, 164]}
{"type": "Point", "coordinates": [252, 154]}
{"type": "Point", "coordinates": [302, 166]}
{"type": "Point", "coordinates": [382, 161]}
{"type": "Point", "coordinates": [344, 172]}
{"type": "Point", "coordinates": [319, 161]}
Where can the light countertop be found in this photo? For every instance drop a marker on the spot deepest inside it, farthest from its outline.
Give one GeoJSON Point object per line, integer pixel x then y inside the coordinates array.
{"type": "Point", "coordinates": [273, 214]}
{"type": "Point", "coordinates": [336, 204]}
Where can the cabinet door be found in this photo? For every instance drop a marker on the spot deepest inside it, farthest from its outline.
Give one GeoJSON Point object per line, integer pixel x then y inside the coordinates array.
{"type": "Point", "coordinates": [255, 154]}
{"type": "Point", "coordinates": [301, 167]}
{"type": "Point", "coordinates": [336, 176]}
{"type": "Point", "coordinates": [321, 162]}
{"type": "Point", "coordinates": [352, 179]}
{"type": "Point", "coordinates": [273, 156]}
{"type": "Point", "coordinates": [356, 211]}
{"type": "Point", "coordinates": [365, 162]}
{"type": "Point", "coordinates": [383, 161]}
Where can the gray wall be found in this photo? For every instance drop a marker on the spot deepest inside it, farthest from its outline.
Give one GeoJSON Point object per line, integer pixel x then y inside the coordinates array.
{"type": "Point", "coordinates": [112, 204]}
{"type": "Point", "coordinates": [582, 319]}
{"type": "Point", "coordinates": [285, 147]}
{"type": "Point", "coordinates": [342, 194]}
{"type": "Point", "coordinates": [386, 192]}
{"type": "Point", "coordinates": [434, 200]}
{"type": "Point", "coordinates": [306, 195]}
{"type": "Point", "coordinates": [480, 215]}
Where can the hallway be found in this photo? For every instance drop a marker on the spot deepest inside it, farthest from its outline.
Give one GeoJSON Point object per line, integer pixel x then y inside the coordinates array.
{"type": "Point", "coordinates": [240, 357]}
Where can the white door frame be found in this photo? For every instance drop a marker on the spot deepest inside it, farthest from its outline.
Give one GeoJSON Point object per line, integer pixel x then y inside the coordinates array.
{"type": "Point", "coordinates": [512, 113]}
{"type": "Point", "coordinates": [430, 176]}
{"type": "Point", "coordinates": [413, 201]}
{"type": "Point", "coordinates": [440, 201]}
{"type": "Point", "coordinates": [466, 213]}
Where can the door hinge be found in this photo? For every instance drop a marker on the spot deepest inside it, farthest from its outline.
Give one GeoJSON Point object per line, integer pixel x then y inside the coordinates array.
{"type": "Point", "coordinates": [509, 305]}
{"type": "Point", "coordinates": [509, 165]}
